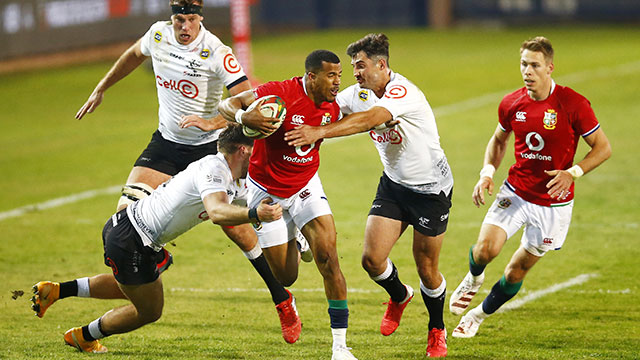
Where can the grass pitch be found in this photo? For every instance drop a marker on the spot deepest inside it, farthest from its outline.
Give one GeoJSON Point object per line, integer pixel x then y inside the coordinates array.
{"type": "Point", "coordinates": [216, 305]}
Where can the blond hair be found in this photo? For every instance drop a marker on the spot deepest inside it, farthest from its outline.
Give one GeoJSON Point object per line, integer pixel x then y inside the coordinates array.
{"type": "Point", "coordinates": [539, 44]}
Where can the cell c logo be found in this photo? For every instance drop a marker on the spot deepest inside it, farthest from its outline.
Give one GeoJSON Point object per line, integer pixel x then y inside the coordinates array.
{"type": "Point", "coordinates": [231, 64]}
{"type": "Point", "coordinates": [396, 92]}
{"type": "Point", "coordinates": [188, 89]}
{"type": "Point", "coordinates": [537, 138]}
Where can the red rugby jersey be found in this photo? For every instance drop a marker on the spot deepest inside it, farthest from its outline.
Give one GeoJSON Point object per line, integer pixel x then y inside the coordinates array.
{"type": "Point", "coordinates": [283, 170]}
{"type": "Point", "coordinates": [546, 137]}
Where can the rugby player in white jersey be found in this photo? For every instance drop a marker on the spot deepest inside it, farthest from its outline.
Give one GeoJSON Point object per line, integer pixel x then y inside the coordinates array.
{"type": "Point", "coordinates": [415, 187]}
{"type": "Point", "coordinates": [133, 236]}
{"type": "Point", "coordinates": [191, 66]}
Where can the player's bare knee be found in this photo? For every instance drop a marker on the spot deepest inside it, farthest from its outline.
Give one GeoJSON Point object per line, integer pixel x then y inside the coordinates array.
{"type": "Point", "coordinates": [372, 266]}
{"type": "Point", "coordinates": [484, 252]}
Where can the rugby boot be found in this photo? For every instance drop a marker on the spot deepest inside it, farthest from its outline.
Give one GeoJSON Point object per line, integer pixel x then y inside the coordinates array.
{"type": "Point", "coordinates": [289, 319]}
{"type": "Point", "coordinates": [164, 259]}
{"type": "Point", "coordinates": [393, 314]}
{"type": "Point", "coordinates": [437, 343]}
{"type": "Point", "coordinates": [342, 353]}
{"type": "Point", "coordinates": [45, 294]}
{"type": "Point", "coordinates": [73, 337]}
{"type": "Point", "coordinates": [464, 293]}
{"type": "Point", "coordinates": [468, 326]}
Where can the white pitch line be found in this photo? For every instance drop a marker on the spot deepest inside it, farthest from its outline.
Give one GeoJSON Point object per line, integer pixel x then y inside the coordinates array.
{"type": "Point", "coordinates": [534, 295]}
{"type": "Point", "coordinates": [446, 110]}
{"type": "Point", "coordinates": [59, 202]}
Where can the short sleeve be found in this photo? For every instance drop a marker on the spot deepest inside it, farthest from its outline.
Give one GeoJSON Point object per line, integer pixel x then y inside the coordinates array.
{"type": "Point", "coordinates": [227, 67]}
{"type": "Point", "coordinates": [211, 177]}
{"type": "Point", "coordinates": [503, 116]}
{"type": "Point", "coordinates": [398, 99]}
{"type": "Point", "coordinates": [585, 122]}
{"type": "Point", "coordinates": [145, 46]}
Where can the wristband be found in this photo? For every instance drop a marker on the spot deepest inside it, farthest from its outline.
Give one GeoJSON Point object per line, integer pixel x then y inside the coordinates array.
{"type": "Point", "coordinates": [575, 171]}
{"type": "Point", "coordinates": [253, 214]}
{"type": "Point", "coordinates": [488, 171]}
{"type": "Point", "coordinates": [238, 116]}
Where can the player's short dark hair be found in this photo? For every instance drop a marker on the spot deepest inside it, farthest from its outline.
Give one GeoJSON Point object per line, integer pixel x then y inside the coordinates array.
{"type": "Point", "coordinates": [185, 2]}
{"type": "Point", "coordinates": [231, 138]}
{"type": "Point", "coordinates": [314, 61]}
{"type": "Point", "coordinates": [540, 44]}
{"type": "Point", "coordinates": [373, 45]}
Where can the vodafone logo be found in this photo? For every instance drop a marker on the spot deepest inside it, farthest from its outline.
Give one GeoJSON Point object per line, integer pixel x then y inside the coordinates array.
{"type": "Point", "coordinates": [231, 64]}
{"type": "Point", "coordinates": [185, 87]}
{"type": "Point", "coordinates": [396, 92]}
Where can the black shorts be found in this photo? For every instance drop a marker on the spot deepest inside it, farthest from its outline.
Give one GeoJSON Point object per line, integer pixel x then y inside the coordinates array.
{"type": "Point", "coordinates": [428, 213]}
{"type": "Point", "coordinates": [132, 263]}
{"type": "Point", "coordinates": [169, 157]}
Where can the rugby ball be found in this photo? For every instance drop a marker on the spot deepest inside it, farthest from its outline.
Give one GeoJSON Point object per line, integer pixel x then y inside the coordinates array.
{"type": "Point", "coordinates": [270, 106]}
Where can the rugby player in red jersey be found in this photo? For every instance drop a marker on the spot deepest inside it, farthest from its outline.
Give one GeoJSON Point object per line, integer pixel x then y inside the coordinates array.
{"type": "Point", "coordinates": [547, 121]}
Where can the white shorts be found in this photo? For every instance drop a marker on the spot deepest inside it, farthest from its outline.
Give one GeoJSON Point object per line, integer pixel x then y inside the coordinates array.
{"type": "Point", "coordinates": [297, 210]}
{"type": "Point", "coordinates": [545, 227]}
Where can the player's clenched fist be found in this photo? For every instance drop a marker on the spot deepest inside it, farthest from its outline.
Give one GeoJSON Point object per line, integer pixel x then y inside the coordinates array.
{"type": "Point", "coordinates": [268, 210]}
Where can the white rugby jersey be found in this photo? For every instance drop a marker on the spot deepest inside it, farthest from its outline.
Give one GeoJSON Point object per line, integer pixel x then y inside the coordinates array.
{"type": "Point", "coordinates": [176, 206]}
{"type": "Point", "coordinates": [410, 151]}
{"type": "Point", "coordinates": [189, 78]}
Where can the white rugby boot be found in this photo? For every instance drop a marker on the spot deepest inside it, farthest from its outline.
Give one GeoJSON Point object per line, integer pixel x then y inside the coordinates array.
{"type": "Point", "coordinates": [469, 324]}
{"type": "Point", "coordinates": [342, 353]}
{"type": "Point", "coordinates": [464, 293]}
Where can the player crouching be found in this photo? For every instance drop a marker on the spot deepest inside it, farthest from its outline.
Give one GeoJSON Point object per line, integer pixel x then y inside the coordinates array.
{"type": "Point", "coordinates": [133, 239]}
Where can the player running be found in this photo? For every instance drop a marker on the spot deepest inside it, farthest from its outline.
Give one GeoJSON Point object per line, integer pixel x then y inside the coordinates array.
{"type": "Point", "coordinates": [415, 187]}
{"type": "Point", "coordinates": [547, 121]}
{"type": "Point", "coordinates": [289, 175]}
{"type": "Point", "coordinates": [133, 236]}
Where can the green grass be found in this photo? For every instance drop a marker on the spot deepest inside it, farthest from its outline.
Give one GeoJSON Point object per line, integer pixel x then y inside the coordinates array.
{"type": "Point", "coordinates": [48, 154]}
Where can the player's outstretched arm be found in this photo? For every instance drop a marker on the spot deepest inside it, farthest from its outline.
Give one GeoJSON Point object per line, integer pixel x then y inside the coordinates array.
{"type": "Point", "coordinates": [351, 124]}
{"type": "Point", "coordinates": [562, 179]}
{"type": "Point", "coordinates": [222, 213]}
{"type": "Point", "coordinates": [493, 156]}
{"type": "Point", "coordinates": [128, 61]}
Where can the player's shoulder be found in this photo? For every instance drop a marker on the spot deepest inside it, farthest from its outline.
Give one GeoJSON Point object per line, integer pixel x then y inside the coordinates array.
{"type": "Point", "coordinates": [160, 29]}
{"type": "Point", "coordinates": [284, 88]}
{"type": "Point", "coordinates": [211, 41]}
{"type": "Point", "coordinates": [400, 87]}
{"type": "Point", "coordinates": [514, 97]}
{"type": "Point", "coordinates": [568, 96]}
{"type": "Point", "coordinates": [354, 91]}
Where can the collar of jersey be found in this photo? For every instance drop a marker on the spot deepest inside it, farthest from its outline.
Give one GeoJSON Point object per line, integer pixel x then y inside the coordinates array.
{"type": "Point", "coordinates": [173, 41]}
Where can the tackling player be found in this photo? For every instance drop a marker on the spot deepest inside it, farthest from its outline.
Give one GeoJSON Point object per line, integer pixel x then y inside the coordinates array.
{"type": "Point", "coordinates": [415, 187]}
{"type": "Point", "coordinates": [547, 121]}
{"type": "Point", "coordinates": [192, 67]}
{"type": "Point", "coordinates": [133, 236]}
{"type": "Point", "coordinates": [289, 175]}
